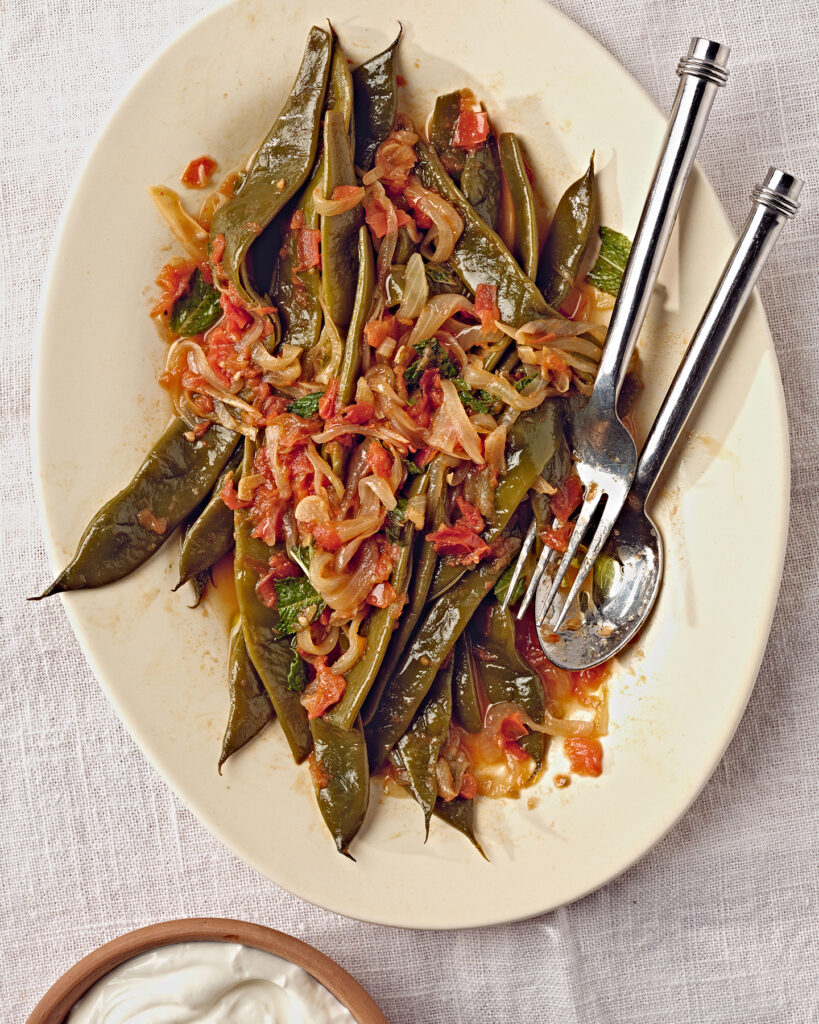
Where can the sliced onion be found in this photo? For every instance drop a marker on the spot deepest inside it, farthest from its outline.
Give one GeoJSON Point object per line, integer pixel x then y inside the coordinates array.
{"type": "Point", "coordinates": [451, 416]}
{"type": "Point", "coordinates": [322, 469]}
{"type": "Point", "coordinates": [447, 223]}
{"type": "Point", "coordinates": [550, 726]}
{"type": "Point", "coordinates": [189, 233]}
{"type": "Point", "coordinates": [416, 289]}
{"type": "Point", "coordinates": [333, 207]}
{"type": "Point", "coordinates": [192, 354]}
{"type": "Point", "coordinates": [380, 431]}
{"type": "Point", "coordinates": [416, 510]}
{"type": "Point", "coordinates": [494, 449]}
{"type": "Point", "coordinates": [357, 646]}
{"type": "Point", "coordinates": [307, 645]}
{"type": "Point", "coordinates": [272, 442]}
{"type": "Point", "coordinates": [435, 314]}
{"type": "Point", "coordinates": [500, 388]}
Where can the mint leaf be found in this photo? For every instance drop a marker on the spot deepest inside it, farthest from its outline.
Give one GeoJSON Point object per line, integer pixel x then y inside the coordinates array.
{"type": "Point", "coordinates": [412, 467]}
{"type": "Point", "coordinates": [431, 355]}
{"type": "Point", "coordinates": [297, 673]}
{"type": "Point", "coordinates": [302, 556]}
{"type": "Point", "coordinates": [607, 272]}
{"type": "Point", "coordinates": [298, 604]}
{"type": "Point", "coordinates": [503, 585]}
{"type": "Point", "coordinates": [196, 310]}
{"type": "Point", "coordinates": [526, 379]}
{"type": "Point", "coordinates": [476, 401]}
{"type": "Point", "coordinates": [396, 519]}
{"type": "Point", "coordinates": [307, 405]}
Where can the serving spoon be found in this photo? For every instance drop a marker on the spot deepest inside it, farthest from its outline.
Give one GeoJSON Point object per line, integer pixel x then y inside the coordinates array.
{"type": "Point", "coordinates": [633, 556]}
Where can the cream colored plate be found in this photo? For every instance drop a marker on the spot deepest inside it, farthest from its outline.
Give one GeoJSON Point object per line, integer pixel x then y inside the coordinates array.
{"type": "Point", "coordinates": [676, 698]}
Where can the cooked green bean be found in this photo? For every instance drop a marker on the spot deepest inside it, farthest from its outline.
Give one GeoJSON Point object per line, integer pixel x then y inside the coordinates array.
{"type": "Point", "coordinates": [210, 535]}
{"type": "Point", "coordinates": [250, 707]}
{"type": "Point", "coordinates": [376, 103]}
{"type": "Point", "coordinates": [174, 478]}
{"type": "Point", "coordinates": [465, 697]}
{"type": "Point", "coordinates": [527, 243]}
{"type": "Point", "coordinates": [341, 779]}
{"type": "Point", "coordinates": [568, 238]}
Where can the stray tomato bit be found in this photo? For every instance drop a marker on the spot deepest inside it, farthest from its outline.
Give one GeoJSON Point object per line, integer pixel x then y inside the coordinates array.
{"type": "Point", "coordinates": [486, 305]}
{"type": "Point", "coordinates": [307, 248]}
{"type": "Point", "coordinates": [585, 755]}
{"type": "Point", "coordinates": [378, 459]}
{"type": "Point", "coordinates": [217, 250]}
{"type": "Point", "coordinates": [471, 129]}
{"type": "Point", "coordinates": [198, 172]}
{"type": "Point", "coordinates": [382, 595]}
{"type": "Point", "coordinates": [148, 520]}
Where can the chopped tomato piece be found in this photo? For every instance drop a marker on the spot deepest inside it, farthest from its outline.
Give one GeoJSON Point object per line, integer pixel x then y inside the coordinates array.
{"type": "Point", "coordinates": [319, 774]}
{"type": "Point", "coordinates": [281, 568]}
{"type": "Point", "coordinates": [148, 520]}
{"type": "Point", "coordinates": [422, 220]}
{"type": "Point", "coordinates": [576, 304]}
{"type": "Point", "coordinates": [469, 786]}
{"type": "Point", "coordinates": [470, 516]}
{"type": "Point", "coordinates": [325, 690]}
{"type": "Point", "coordinates": [486, 305]}
{"type": "Point", "coordinates": [327, 402]}
{"type": "Point", "coordinates": [266, 590]}
{"type": "Point", "coordinates": [217, 249]}
{"type": "Point", "coordinates": [236, 317]}
{"type": "Point", "coordinates": [463, 545]}
{"type": "Point", "coordinates": [198, 172]}
{"type": "Point", "coordinates": [359, 413]}
{"type": "Point", "coordinates": [557, 537]}
{"type": "Point", "coordinates": [346, 191]}
{"type": "Point", "coordinates": [377, 331]}
{"type": "Point", "coordinates": [585, 755]}
{"type": "Point", "coordinates": [174, 280]}
{"type": "Point", "coordinates": [376, 218]}
{"type": "Point", "coordinates": [230, 497]}
{"type": "Point", "coordinates": [326, 536]}
{"type": "Point", "coordinates": [307, 248]}
{"type": "Point", "coordinates": [471, 129]}
{"type": "Point", "coordinates": [297, 220]}
{"type": "Point", "coordinates": [382, 595]}
{"type": "Point", "coordinates": [567, 499]}
{"type": "Point", "coordinates": [378, 459]}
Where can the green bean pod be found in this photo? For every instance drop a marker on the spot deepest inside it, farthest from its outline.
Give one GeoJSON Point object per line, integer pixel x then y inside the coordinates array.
{"type": "Point", "coordinates": [505, 675]}
{"type": "Point", "coordinates": [210, 535]}
{"type": "Point", "coordinates": [442, 126]}
{"type": "Point", "coordinates": [278, 169]}
{"type": "Point", "coordinates": [376, 103]}
{"type": "Point", "coordinates": [296, 292]}
{"type": "Point", "coordinates": [351, 360]}
{"type": "Point", "coordinates": [480, 257]}
{"type": "Point", "coordinates": [417, 752]}
{"type": "Point", "coordinates": [422, 574]}
{"type": "Point", "coordinates": [437, 633]}
{"type": "Point", "coordinates": [481, 182]}
{"type": "Point", "coordinates": [271, 655]}
{"type": "Point", "coordinates": [459, 814]}
{"type": "Point", "coordinates": [339, 233]}
{"type": "Point", "coordinates": [465, 697]}
{"type": "Point", "coordinates": [381, 623]}
{"type": "Point", "coordinates": [250, 707]}
{"type": "Point", "coordinates": [568, 238]}
{"type": "Point", "coordinates": [341, 779]}
{"type": "Point", "coordinates": [174, 478]}
{"type": "Point", "coordinates": [527, 243]}
{"type": "Point", "coordinates": [533, 440]}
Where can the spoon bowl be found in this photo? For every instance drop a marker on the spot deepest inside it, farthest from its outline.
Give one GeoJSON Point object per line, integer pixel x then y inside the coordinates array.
{"type": "Point", "coordinates": [633, 557]}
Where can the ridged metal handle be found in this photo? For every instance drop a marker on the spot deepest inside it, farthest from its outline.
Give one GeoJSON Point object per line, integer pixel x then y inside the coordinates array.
{"type": "Point", "coordinates": [702, 73]}
{"type": "Point", "coordinates": [775, 201]}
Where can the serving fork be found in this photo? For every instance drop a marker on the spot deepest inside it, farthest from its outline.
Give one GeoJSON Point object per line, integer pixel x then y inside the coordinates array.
{"type": "Point", "coordinates": [604, 452]}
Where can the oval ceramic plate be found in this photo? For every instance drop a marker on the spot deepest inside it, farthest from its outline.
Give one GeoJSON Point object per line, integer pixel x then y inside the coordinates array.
{"type": "Point", "coordinates": [676, 697]}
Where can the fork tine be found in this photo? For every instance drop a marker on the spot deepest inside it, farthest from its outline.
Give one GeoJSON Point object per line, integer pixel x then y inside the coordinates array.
{"type": "Point", "coordinates": [601, 535]}
{"type": "Point", "coordinates": [540, 568]}
{"type": "Point", "coordinates": [526, 547]}
{"type": "Point", "coordinates": [580, 527]}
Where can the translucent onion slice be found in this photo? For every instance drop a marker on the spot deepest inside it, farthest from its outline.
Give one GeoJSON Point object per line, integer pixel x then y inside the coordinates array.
{"type": "Point", "coordinates": [416, 289]}
{"type": "Point", "coordinates": [551, 726]}
{"type": "Point", "coordinates": [435, 314]}
{"type": "Point", "coordinates": [333, 207]}
{"type": "Point", "coordinates": [189, 233]}
{"type": "Point", "coordinates": [447, 224]}
{"type": "Point", "coordinates": [322, 469]}
{"type": "Point", "coordinates": [500, 388]}
{"type": "Point", "coordinates": [307, 645]}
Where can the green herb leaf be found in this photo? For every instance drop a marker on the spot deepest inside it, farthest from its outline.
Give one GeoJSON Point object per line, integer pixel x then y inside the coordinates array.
{"type": "Point", "coordinates": [607, 272]}
{"type": "Point", "coordinates": [297, 673]}
{"type": "Point", "coordinates": [196, 310]}
{"type": "Point", "coordinates": [527, 379]}
{"type": "Point", "coordinates": [396, 519]}
{"type": "Point", "coordinates": [298, 603]}
{"type": "Point", "coordinates": [302, 556]}
{"type": "Point", "coordinates": [431, 355]}
{"type": "Point", "coordinates": [412, 467]}
{"type": "Point", "coordinates": [441, 279]}
{"type": "Point", "coordinates": [307, 405]}
{"type": "Point", "coordinates": [476, 401]}
{"type": "Point", "coordinates": [503, 585]}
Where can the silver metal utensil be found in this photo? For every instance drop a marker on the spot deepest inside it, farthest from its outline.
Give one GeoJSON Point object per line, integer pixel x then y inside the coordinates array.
{"type": "Point", "coordinates": [635, 547]}
{"type": "Point", "coordinates": [606, 458]}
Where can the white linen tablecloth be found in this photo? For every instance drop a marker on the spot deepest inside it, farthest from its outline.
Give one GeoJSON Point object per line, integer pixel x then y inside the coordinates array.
{"type": "Point", "coordinates": [718, 923]}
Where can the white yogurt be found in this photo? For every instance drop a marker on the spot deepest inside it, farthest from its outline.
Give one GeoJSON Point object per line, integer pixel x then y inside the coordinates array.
{"type": "Point", "coordinates": [208, 983]}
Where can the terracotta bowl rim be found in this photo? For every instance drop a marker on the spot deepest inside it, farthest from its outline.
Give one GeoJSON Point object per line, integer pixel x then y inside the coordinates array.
{"type": "Point", "coordinates": [57, 1003]}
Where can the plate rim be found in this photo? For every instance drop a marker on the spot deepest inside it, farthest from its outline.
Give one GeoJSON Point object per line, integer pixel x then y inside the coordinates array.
{"type": "Point", "coordinates": [37, 445]}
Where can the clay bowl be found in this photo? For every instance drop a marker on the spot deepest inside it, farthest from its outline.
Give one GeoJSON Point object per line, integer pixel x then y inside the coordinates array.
{"type": "Point", "coordinates": [56, 1004]}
